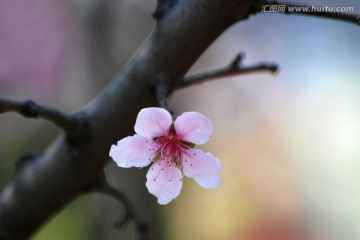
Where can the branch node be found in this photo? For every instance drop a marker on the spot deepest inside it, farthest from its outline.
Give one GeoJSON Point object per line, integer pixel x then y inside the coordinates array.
{"type": "Point", "coordinates": [237, 62]}
{"type": "Point", "coordinates": [162, 7]}
{"type": "Point", "coordinates": [29, 109]}
{"type": "Point", "coordinates": [79, 133]}
{"type": "Point", "coordinates": [24, 160]}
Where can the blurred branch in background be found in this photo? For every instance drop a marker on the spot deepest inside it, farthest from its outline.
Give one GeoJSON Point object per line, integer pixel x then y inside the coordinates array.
{"type": "Point", "coordinates": [234, 69]}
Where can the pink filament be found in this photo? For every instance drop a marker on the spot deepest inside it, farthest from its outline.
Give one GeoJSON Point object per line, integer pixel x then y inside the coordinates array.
{"type": "Point", "coordinates": [168, 149]}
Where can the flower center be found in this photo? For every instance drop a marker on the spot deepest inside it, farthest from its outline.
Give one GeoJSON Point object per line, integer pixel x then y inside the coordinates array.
{"type": "Point", "coordinates": [170, 149]}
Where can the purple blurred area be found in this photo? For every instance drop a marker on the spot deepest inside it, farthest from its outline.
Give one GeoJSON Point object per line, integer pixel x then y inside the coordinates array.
{"type": "Point", "coordinates": [37, 41]}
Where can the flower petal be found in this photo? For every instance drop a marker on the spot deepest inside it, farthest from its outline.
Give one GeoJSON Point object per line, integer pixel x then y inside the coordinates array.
{"type": "Point", "coordinates": [153, 122]}
{"type": "Point", "coordinates": [131, 152]}
{"type": "Point", "coordinates": [193, 127]}
{"type": "Point", "coordinates": [203, 167]}
{"type": "Point", "coordinates": [164, 181]}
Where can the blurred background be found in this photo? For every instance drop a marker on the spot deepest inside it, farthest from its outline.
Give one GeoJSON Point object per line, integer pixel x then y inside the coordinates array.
{"type": "Point", "coordinates": [289, 143]}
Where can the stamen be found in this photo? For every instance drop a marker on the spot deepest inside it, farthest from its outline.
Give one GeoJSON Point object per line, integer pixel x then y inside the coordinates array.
{"type": "Point", "coordinates": [188, 158]}
{"type": "Point", "coordinates": [169, 151]}
{"type": "Point", "coordinates": [172, 173]}
{"type": "Point", "coordinates": [162, 168]}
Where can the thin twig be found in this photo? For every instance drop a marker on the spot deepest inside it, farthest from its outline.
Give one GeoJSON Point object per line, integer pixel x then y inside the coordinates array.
{"type": "Point", "coordinates": [235, 68]}
{"type": "Point", "coordinates": [131, 213]}
{"type": "Point", "coordinates": [311, 10]}
{"type": "Point", "coordinates": [30, 109]}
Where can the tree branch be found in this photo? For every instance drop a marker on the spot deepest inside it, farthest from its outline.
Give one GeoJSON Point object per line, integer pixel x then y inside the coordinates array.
{"type": "Point", "coordinates": [131, 213]}
{"type": "Point", "coordinates": [162, 7]}
{"type": "Point", "coordinates": [30, 109]}
{"type": "Point", "coordinates": [266, 6]}
{"type": "Point", "coordinates": [162, 92]}
{"type": "Point", "coordinates": [235, 68]}
{"type": "Point", "coordinates": [55, 178]}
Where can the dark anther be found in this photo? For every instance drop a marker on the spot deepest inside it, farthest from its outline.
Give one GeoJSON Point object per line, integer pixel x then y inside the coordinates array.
{"type": "Point", "coordinates": [162, 7]}
{"type": "Point", "coordinates": [29, 109]}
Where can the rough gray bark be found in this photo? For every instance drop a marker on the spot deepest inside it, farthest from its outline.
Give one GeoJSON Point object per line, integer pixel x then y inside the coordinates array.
{"type": "Point", "coordinates": [72, 166]}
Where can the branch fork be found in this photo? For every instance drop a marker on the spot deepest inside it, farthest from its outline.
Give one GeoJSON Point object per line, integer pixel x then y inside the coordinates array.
{"type": "Point", "coordinates": [142, 227]}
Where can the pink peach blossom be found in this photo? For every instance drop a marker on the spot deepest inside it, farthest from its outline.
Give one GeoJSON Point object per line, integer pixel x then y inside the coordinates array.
{"type": "Point", "coordinates": [170, 147]}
